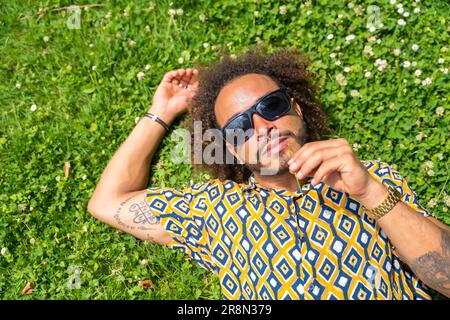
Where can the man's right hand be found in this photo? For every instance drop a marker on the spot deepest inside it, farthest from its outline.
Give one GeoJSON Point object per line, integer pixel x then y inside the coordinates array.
{"type": "Point", "coordinates": [174, 94]}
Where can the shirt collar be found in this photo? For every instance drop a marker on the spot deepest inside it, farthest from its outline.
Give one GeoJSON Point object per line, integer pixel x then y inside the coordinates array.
{"type": "Point", "coordinates": [253, 184]}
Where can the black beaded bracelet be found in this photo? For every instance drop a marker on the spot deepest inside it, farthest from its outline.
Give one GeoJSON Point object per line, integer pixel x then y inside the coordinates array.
{"type": "Point", "coordinates": [157, 119]}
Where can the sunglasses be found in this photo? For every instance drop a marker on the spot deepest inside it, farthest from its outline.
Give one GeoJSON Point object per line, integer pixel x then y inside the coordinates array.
{"type": "Point", "coordinates": [271, 107]}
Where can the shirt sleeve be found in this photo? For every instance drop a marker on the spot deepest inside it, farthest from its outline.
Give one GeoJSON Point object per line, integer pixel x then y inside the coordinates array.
{"type": "Point", "coordinates": [172, 207]}
{"type": "Point", "coordinates": [387, 175]}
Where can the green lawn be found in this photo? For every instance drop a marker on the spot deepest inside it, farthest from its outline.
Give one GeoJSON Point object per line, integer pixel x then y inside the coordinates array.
{"type": "Point", "coordinates": [69, 94]}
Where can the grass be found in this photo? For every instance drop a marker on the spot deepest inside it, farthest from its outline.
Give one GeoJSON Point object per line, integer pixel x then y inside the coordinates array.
{"type": "Point", "coordinates": [83, 83]}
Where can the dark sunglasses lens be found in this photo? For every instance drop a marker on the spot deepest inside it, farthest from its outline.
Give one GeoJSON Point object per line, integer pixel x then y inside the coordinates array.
{"type": "Point", "coordinates": [239, 130]}
{"type": "Point", "coordinates": [274, 106]}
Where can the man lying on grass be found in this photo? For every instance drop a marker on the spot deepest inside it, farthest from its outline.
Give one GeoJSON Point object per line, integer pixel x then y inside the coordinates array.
{"type": "Point", "coordinates": [294, 216]}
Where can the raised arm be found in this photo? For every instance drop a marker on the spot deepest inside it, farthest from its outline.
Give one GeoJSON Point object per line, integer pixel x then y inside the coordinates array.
{"type": "Point", "coordinates": [119, 197]}
{"type": "Point", "coordinates": [422, 243]}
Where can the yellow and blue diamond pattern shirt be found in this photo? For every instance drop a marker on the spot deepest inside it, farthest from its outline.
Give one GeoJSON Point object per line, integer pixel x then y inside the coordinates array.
{"type": "Point", "coordinates": [315, 243]}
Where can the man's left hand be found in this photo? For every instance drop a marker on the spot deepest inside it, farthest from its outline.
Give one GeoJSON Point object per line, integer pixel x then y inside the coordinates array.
{"type": "Point", "coordinates": [334, 163]}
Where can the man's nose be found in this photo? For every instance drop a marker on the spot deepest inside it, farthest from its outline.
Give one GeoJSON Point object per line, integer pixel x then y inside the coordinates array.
{"type": "Point", "coordinates": [263, 127]}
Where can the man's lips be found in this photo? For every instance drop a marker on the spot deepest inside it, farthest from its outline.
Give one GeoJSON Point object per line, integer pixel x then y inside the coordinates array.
{"type": "Point", "coordinates": [275, 145]}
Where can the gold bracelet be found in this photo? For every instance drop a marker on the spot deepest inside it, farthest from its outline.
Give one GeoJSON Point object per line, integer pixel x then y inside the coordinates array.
{"type": "Point", "coordinates": [388, 203]}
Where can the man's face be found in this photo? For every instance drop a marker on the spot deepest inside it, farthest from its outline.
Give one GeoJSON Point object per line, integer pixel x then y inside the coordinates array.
{"type": "Point", "coordinates": [273, 142]}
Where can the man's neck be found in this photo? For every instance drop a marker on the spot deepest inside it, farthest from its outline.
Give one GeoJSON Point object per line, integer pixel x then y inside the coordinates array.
{"type": "Point", "coordinates": [285, 181]}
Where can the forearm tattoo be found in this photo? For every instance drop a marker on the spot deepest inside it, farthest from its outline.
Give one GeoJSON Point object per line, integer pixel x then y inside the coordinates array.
{"type": "Point", "coordinates": [433, 268]}
{"type": "Point", "coordinates": [140, 215]}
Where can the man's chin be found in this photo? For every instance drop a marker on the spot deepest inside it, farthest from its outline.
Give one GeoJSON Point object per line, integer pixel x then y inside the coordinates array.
{"type": "Point", "coordinates": [280, 167]}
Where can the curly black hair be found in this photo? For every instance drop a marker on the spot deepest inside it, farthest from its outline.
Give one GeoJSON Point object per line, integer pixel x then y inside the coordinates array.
{"type": "Point", "coordinates": [286, 67]}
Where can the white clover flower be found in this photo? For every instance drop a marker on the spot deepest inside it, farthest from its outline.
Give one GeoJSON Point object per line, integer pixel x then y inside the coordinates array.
{"type": "Point", "coordinates": [84, 177]}
{"type": "Point", "coordinates": [46, 39]}
{"type": "Point", "coordinates": [355, 93]}
{"type": "Point", "coordinates": [401, 22]}
{"type": "Point", "coordinates": [172, 12]}
{"type": "Point", "coordinates": [440, 156]}
{"type": "Point", "coordinates": [392, 1]}
{"type": "Point", "coordinates": [308, 12]}
{"type": "Point", "coordinates": [180, 60]}
{"type": "Point", "coordinates": [179, 12]}
{"type": "Point", "coordinates": [431, 173]}
{"type": "Point", "coordinates": [432, 203]}
{"type": "Point", "coordinates": [372, 39]}
{"type": "Point", "coordinates": [258, 40]}
{"type": "Point", "coordinates": [350, 37]}
{"type": "Point", "coordinates": [341, 79]}
{"type": "Point", "coordinates": [94, 68]}
{"type": "Point", "coordinates": [378, 41]}
{"type": "Point", "coordinates": [441, 60]}
{"type": "Point", "coordinates": [406, 14]}
{"type": "Point", "coordinates": [147, 28]}
{"type": "Point", "coordinates": [406, 64]}
{"type": "Point", "coordinates": [131, 43]}
{"type": "Point", "coordinates": [368, 74]}
{"type": "Point", "coordinates": [444, 70]}
{"type": "Point", "coordinates": [206, 45]}
{"type": "Point", "coordinates": [108, 15]}
{"type": "Point", "coordinates": [372, 29]}
{"type": "Point", "coordinates": [356, 146]}
{"type": "Point", "coordinates": [400, 10]}
{"type": "Point", "coordinates": [447, 199]}
{"type": "Point", "coordinates": [418, 73]}
{"type": "Point", "coordinates": [18, 86]}
{"type": "Point", "coordinates": [22, 206]}
{"type": "Point", "coordinates": [33, 107]}
{"type": "Point", "coordinates": [3, 251]}
{"type": "Point", "coordinates": [330, 36]}
{"type": "Point", "coordinates": [256, 13]}
{"type": "Point", "coordinates": [202, 17]}
{"type": "Point", "coordinates": [415, 47]}
{"type": "Point", "coordinates": [31, 208]}
{"type": "Point", "coordinates": [368, 50]}
{"type": "Point", "coordinates": [44, 189]}
{"type": "Point", "coordinates": [381, 64]}
{"type": "Point", "coordinates": [147, 67]}
{"type": "Point", "coordinates": [283, 9]}
{"type": "Point", "coordinates": [347, 69]}
{"type": "Point", "coordinates": [350, 5]}
{"type": "Point", "coordinates": [332, 55]}
{"type": "Point", "coordinates": [338, 62]}
{"type": "Point", "coordinates": [417, 10]}
{"type": "Point", "coordinates": [397, 52]}
{"type": "Point", "coordinates": [420, 136]}
{"type": "Point", "coordinates": [439, 111]}
{"type": "Point", "coordinates": [126, 13]}
{"type": "Point", "coordinates": [91, 45]}
{"type": "Point", "coordinates": [144, 262]}
{"type": "Point", "coordinates": [32, 241]}
{"type": "Point", "coordinates": [427, 81]}
{"type": "Point", "coordinates": [233, 56]}
{"type": "Point", "coordinates": [140, 76]}
{"type": "Point", "coordinates": [399, 6]}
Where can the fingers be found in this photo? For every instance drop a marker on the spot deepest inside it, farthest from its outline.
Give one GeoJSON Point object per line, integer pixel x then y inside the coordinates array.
{"type": "Point", "coordinates": [311, 155]}
{"type": "Point", "coordinates": [184, 78]}
{"type": "Point", "coordinates": [325, 169]}
{"type": "Point", "coordinates": [304, 168]}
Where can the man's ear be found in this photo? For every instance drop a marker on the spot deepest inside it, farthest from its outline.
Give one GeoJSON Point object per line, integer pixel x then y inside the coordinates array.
{"type": "Point", "coordinates": [234, 153]}
{"type": "Point", "coordinates": [297, 107]}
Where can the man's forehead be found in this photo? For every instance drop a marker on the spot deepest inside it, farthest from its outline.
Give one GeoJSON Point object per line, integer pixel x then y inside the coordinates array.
{"type": "Point", "coordinates": [245, 90]}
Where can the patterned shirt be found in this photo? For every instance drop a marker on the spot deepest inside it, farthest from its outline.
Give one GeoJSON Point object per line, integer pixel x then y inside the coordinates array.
{"type": "Point", "coordinates": [263, 243]}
